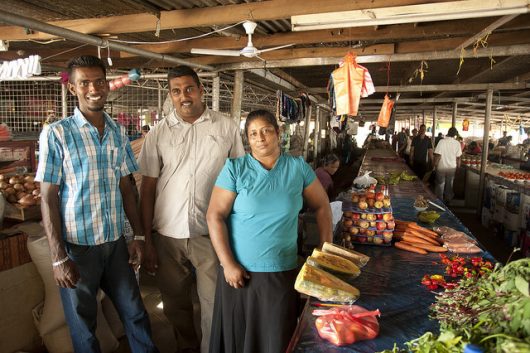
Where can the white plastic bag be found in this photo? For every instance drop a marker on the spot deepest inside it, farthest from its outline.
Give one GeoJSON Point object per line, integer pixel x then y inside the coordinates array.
{"type": "Point", "coordinates": [364, 181]}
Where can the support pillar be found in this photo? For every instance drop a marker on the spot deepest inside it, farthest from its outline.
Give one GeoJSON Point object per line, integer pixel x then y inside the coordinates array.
{"type": "Point", "coordinates": [307, 130]}
{"type": "Point", "coordinates": [316, 141]}
{"type": "Point", "coordinates": [453, 118]}
{"type": "Point", "coordinates": [237, 96]}
{"type": "Point", "coordinates": [489, 99]}
{"type": "Point", "coordinates": [216, 89]}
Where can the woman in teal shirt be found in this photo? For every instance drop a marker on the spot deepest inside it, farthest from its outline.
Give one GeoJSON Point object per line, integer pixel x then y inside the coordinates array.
{"type": "Point", "coordinates": [252, 219]}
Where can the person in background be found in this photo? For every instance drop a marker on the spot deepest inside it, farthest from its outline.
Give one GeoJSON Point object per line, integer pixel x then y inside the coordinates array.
{"type": "Point", "coordinates": [526, 142]}
{"type": "Point", "coordinates": [253, 217]}
{"type": "Point", "coordinates": [180, 160]}
{"type": "Point", "coordinates": [136, 147]}
{"type": "Point", "coordinates": [402, 142]}
{"type": "Point", "coordinates": [84, 167]}
{"type": "Point", "coordinates": [446, 161]}
{"type": "Point", "coordinates": [327, 167]}
{"type": "Point", "coordinates": [503, 141]}
{"type": "Point", "coordinates": [473, 148]}
{"type": "Point", "coordinates": [438, 138]}
{"type": "Point", "coordinates": [421, 153]}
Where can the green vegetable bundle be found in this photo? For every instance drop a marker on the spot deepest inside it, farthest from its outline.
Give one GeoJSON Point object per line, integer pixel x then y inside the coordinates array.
{"type": "Point", "coordinates": [492, 311]}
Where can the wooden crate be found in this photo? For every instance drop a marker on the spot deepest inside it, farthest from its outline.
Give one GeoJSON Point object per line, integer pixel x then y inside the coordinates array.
{"type": "Point", "coordinates": [14, 251]}
{"type": "Point", "coordinates": [22, 213]}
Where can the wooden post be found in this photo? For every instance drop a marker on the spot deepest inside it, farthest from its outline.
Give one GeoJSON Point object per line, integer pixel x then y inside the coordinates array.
{"type": "Point", "coordinates": [423, 117]}
{"type": "Point", "coordinates": [485, 141]}
{"type": "Point", "coordinates": [64, 101]}
{"type": "Point", "coordinates": [216, 88]}
{"type": "Point", "coordinates": [433, 137]}
{"type": "Point", "coordinates": [307, 130]}
{"type": "Point", "coordinates": [237, 96]}
{"type": "Point", "coordinates": [453, 118]}
{"type": "Point", "coordinates": [316, 139]}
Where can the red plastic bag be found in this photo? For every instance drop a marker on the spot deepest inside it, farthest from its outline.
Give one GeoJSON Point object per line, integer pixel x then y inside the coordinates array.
{"type": "Point", "coordinates": [386, 111]}
{"type": "Point", "coordinates": [347, 324]}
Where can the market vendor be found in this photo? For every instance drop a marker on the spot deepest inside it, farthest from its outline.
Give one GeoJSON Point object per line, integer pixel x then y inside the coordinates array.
{"type": "Point", "coordinates": [421, 153]}
{"type": "Point", "coordinates": [327, 167]}
{"type": "Point", "coordinates": [252, 219]}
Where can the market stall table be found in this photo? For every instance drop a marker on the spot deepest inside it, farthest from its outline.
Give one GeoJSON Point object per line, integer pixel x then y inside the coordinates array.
{"type": "Point", "coordinates": [391, 281]}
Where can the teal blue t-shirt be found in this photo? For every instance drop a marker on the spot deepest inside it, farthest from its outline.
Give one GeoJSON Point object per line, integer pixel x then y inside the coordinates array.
{"type": "Point", "coordinates": [263, 222]}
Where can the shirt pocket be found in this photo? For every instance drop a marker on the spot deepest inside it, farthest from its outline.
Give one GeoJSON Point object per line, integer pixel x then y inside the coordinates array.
{"type": "Point", "coordinates": [220, 146]}
{"type": "Point", "coordinates": [172, 152]}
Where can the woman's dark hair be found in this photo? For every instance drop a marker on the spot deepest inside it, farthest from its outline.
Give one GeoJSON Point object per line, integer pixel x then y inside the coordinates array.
{"type": "Point", "coordinates": [261, 114]}
{"type": "Point", "coordinates": [85, 61]}
{"type": "Point", "coordinates": [328, 159]}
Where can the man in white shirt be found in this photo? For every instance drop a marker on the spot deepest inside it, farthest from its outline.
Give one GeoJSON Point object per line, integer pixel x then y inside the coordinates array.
{"type": "Point", "coordinates": [446, 161]}
{"type": "Point", "coordinates": [180, 160]}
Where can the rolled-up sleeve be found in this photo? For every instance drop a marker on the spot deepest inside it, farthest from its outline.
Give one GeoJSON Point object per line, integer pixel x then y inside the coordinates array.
{"type": "Point", "coordinates": [148, 159]}
{"type": "Point", "coordinates": [50, 168]}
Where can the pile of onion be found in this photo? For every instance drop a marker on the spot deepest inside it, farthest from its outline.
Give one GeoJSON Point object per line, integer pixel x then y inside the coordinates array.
{"type": "Point", "coordinates": [21, 189]}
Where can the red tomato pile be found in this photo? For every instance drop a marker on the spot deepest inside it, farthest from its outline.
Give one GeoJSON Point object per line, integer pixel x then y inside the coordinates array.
{"type": "Point", "coordinates": [515, 175]}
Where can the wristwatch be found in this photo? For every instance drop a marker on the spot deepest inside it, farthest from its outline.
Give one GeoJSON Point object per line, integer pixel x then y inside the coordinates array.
{"type": "Point", "coordinates": [139, 237]}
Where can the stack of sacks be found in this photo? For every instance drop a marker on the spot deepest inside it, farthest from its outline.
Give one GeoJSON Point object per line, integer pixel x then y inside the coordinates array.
{"type": "Point", "coordinates": [49, 315]}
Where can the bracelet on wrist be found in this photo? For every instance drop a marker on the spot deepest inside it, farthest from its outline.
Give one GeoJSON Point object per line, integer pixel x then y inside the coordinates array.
{"type": "Point", "coordinates": [60, 262]}
{"type": "Point", "coordinates": [139, 237]}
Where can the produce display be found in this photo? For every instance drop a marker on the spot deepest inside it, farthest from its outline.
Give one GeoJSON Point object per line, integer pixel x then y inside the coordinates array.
{"type": "Point", "coordinates": [490, 311]}
{"type": "Point", "coordinates": [324, 286]}
{"type": "Point", "coordinates": [515, 175]}
{"type": "Point", "coordinates": [20, 190]}
{"type": "Point", "coordinates": [367, 219]}
{"type": "Point", "coordinates": [428, 216]}
{"type": "Point", "coordinates": [333, 263]}
{"type": "Point", "coordinates": [354, 256]}
{"type": "Point", "coordinates": [415, 238]}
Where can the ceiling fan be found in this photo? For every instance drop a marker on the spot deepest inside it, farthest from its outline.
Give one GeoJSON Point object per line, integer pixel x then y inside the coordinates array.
{"type": "Point", "coordinates": [250, 51]}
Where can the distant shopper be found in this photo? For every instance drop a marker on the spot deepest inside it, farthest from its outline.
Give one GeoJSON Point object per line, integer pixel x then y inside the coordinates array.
{"type": "Point", "coordinates": [446, 161]}
{"type": "Point", "coordinates": [402, 138]}
{"type": "Point", "coordinates": [421, 153]}
{"type": "Point", "coordinates": [327, 167]}
{"type": "Point", "coordinates": [503, 141]}
{"type": "Point", "coordinates": [438, 138]}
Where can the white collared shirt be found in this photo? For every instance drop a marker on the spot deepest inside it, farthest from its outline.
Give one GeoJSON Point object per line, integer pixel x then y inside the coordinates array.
{"type": "Point", "coordinates": [186, 158]}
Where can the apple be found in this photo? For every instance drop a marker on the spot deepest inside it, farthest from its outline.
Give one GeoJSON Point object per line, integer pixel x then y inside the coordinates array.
{"type": "Point", "coordinates": [386, 202]}
{"type": "Point", "coordinates": [347, 214]}
{"type": "Point", "coordinates": [370, 233]}
{"type": "Point", "coordinates": [363, 215]}
{"type": "Point", "coordinates": [355, 216]}
{"type": "Point", "coordinates": [390, 225]}
{"type": "Point", "coordinates": [362, 205]}
{"type": "Point", "coordinates": [372, 224]}
{"type": "Point", "coordinates": [362, 239]}
{"type": "Point", "coordinates": [387, 217]}
{"type": "Point", "coordinates": [379, 196]}
{"type": "Point", "coordinates": [354, 198]}
{"type": "Point", "coordinates": [371, 217]}
{"type": "Point", "coordinates": [354, 230]}
{"type": "Point", "coordinates": [370, 195]}
{"type": "Point", "coordinates": [378, 204]}
{"type": "Point", "coordinates": [346, 222]}
{"type": "Point", "coordinates": [362, 198]}
{"type": "Point", "coordinates": [387, 236]}
{"type": "Point", "coordinates": [364, 224]}
{"type": "Point", "coordinates": [380, 225]}
{"type": "Point", "coordinates": [370, 202]}
{"type": "Point", "coordinates": [378, 240]}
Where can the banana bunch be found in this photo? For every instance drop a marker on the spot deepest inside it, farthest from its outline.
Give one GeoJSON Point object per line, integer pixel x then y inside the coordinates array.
{"type": "Point", "coordinates": [408, 177]}
{"type": "Point", "coordinates": [428, 216]}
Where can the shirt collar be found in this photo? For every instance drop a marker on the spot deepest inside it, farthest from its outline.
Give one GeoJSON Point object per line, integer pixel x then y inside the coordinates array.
{"type": "Point", "coordinates": [174, 119]}
{"type": "Point", "coordinates": [81, 121]}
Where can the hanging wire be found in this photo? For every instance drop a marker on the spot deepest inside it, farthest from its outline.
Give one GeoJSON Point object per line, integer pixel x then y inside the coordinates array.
{"type": "Point", "coordinates": [178, 40]}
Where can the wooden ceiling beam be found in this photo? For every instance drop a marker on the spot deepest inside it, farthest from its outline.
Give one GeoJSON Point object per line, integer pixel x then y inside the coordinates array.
{"type": "Point", "coordinates": [207, 16]}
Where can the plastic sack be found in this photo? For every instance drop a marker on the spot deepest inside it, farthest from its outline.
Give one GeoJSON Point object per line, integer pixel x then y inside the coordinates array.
{"type": "Point", "coordinates": [347, 324]}
{"type": "Point", "coordinates": [364, 181]}
{"type": "Point", "coordinates": [386, 111]}
{"type": "Point", "coordinates": [348, 82]}
{"type": "Point", "coordinates": [456, 241]}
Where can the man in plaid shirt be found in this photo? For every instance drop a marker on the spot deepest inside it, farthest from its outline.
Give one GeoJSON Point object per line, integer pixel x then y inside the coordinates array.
{"type": "Point", "coordinates": [84, 163]}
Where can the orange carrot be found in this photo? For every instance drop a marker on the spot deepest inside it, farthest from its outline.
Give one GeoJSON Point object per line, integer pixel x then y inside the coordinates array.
{"type": "Point", "coordinates": [431, 248]}
{"type": "Point", "coordinates": [405, 246]}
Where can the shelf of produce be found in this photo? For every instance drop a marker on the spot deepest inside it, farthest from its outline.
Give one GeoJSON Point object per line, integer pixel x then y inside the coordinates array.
{"type": "Point", "coordinates": [492, 172]}
{"type": "Point", "coordinates": [390, 282]}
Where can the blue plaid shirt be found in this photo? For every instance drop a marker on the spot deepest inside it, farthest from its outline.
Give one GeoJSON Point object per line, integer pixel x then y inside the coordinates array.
{"type": "Point", "coordinates": [88, 173]}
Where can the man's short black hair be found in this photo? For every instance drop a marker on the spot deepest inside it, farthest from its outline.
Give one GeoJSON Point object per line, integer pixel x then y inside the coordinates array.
{"type": "Point", "coordinates": [146, 128]}
{"type": "Point", "coordinates": [183, 70]}
{"type": "Point", "coordinates": [452, 132]}
{"type": "Point", "coordinates": [85, 61]}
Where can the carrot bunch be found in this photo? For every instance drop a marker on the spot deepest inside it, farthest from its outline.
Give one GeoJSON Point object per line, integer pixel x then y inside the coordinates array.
{"type": "Point", "coordinates": [415, 238]}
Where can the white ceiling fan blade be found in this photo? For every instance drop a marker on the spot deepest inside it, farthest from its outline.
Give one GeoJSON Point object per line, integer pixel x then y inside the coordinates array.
{"type": "Point", "coordinates": [215, 52]}
{"type": "Point", "coordinates": [274, 48]}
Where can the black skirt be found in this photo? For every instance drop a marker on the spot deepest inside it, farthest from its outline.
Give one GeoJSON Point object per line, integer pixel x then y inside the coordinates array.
{"type": "Point", "coordinates": [259, 318]}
